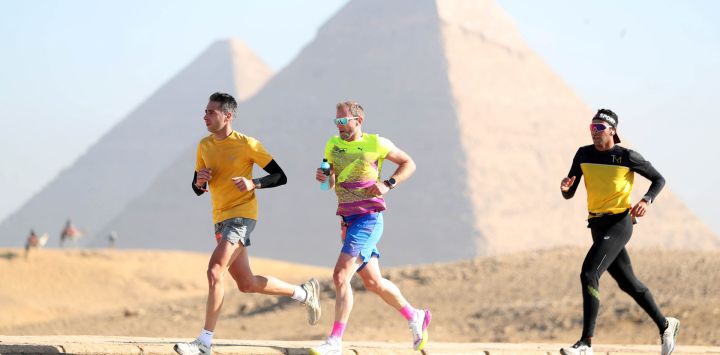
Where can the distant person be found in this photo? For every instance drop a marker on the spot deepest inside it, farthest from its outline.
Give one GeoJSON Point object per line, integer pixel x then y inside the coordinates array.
{"type": "Point", "coordinates": [356, 159]}
{"type": "Point", "coordinates": [31, 242]}
{"type": "Point", "coordinates": [69, 232]}
{"type": "Point", "coordinates": [225, 161]}
{"type": "Point", "coordinates": [112, 238]}
{"type": "Point", "coordinates": [35, 242]}
{"type": "Point", "coordinates": [609, 173]}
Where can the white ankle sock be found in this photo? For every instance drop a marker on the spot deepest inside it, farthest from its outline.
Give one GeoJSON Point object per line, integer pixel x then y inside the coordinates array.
{"type": "Point", "coordinates": [206, 337]}
{"type": "Point", "coordinates": [299, 294]}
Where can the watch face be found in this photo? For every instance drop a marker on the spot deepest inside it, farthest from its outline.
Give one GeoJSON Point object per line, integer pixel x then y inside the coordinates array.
{"type": "Point", "coordinates": [391, 181]}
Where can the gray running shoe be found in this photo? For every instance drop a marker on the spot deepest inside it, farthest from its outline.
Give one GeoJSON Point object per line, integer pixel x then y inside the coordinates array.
{"type": "Point", "coordinates": [579, 348]}
{"type": "Point", "coordinates": [312, 302]}
{"type": "Point", "coordinates": [195, 347]}
{"type": "Point", "coordinates": [669, 336]}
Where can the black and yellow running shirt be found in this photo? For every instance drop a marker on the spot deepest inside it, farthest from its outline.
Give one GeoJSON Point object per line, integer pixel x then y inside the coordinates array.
{"type": "Point", "coordinates": [609, 178]}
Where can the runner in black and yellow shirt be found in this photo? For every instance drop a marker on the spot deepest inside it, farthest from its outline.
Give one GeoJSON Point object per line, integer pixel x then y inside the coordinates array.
{"type": "Point", "coordinates": [609, 171]}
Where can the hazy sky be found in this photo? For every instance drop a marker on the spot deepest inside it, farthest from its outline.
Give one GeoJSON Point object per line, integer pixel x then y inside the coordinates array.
{"type": "Point", "coordinates": [71, 69]}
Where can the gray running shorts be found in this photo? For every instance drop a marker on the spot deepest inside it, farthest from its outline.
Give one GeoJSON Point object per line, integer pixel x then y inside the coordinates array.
{"type": "Point", "coordinates": [235, 230]}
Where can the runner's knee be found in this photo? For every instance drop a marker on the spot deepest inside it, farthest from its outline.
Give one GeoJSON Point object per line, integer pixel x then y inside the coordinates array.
{"type": "Point", "coordinates": [632, 287]}
{"type": "Point", "coordinates": [372, 285]}
{"type": "Point", "coordinates": [214, 275]}
{"type": "Point", "coordinates": [246, 286]}
{"type": "Point", "coordinates": [589, 278]}
{"type": "Point", "coordinates": [340, 278]}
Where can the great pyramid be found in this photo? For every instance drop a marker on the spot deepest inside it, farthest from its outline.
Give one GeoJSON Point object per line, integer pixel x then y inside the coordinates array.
{"type": "Point", "coordinates": [126, 160]}
{"type": "Point", "coordinates": [491, 127]}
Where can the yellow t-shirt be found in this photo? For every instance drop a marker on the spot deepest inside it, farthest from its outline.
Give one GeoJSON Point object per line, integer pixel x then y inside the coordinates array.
{"type": "Point", "coordinates": [231, 157]}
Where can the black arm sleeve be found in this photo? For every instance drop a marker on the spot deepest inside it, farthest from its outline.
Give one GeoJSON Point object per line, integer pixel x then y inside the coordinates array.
{"type": "Point", "coordinates": [644, 168]}
{"type": "Point", "coordinates": [194, 187]}
{"type": "Point", "coordinates": [276, 176]}
{"type": "Point", "coordinates": [575, 171]}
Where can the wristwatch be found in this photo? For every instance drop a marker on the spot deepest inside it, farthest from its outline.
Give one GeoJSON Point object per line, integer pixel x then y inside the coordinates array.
{"type": "Point", "coordinates": [390, 183]}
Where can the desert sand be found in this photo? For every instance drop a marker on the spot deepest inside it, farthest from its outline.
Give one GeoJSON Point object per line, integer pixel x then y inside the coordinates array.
{"type": "Point", "coordinates": [531, 297]}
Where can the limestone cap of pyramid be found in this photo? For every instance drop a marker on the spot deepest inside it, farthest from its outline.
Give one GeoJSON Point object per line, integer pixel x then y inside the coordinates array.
{"type": "Point", "coordinates": [250, 71]}
{"type": "Point", "coordinates": [482, 18]}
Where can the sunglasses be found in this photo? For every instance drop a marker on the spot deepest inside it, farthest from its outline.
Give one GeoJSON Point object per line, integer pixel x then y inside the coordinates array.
{"type": "Point", "coordinates": [343, 120]}
{"type": "Point", "coordinates": [598, 127]}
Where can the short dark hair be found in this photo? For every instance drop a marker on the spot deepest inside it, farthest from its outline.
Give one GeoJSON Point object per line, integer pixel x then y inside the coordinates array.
{"type": "Point", "coordinates": [227, 102]}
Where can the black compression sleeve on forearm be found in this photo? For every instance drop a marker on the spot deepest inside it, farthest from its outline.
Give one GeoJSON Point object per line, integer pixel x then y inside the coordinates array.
{"type": "Point", "coordinates": [644, 168]}
{"type": "Point", "coordinates": [575, 171]}
{"type": "Point", "coordinates": [195, 188]}
{"type": "Point", "coordinates": [276, 176]}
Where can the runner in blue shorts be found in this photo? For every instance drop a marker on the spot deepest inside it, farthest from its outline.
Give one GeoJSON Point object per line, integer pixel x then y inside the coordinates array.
{"type": "Point", "coordinates": [355, 163]}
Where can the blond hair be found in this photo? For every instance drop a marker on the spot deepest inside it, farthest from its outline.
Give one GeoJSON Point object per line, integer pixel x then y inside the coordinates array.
{"type": "Point", "coordinates": [355, 109]}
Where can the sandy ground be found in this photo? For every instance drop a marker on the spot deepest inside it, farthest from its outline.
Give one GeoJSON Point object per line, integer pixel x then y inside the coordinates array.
{"type": "Point", "coordinates": [525, 298]}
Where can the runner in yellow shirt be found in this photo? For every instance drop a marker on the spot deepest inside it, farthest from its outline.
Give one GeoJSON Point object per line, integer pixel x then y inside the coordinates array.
{"type": "Point", "coordinates": [224, 163]}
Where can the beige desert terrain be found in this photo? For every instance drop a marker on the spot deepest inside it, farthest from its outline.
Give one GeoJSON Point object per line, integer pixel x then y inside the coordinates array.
{"type": "Point", "coordinates": [530, 297]}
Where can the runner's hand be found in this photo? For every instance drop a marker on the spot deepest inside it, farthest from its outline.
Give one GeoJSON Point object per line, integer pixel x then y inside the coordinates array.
{"type": "Point", "coordinates": [378, 189]}
{"type": "Point", "coordinates": [320, 175]}
{"type": "Point", "coordinates": [243, 184]}
{"type": "Point", "coordinates": [566, 183]}
{"type": "Point", "coordinates": [640, 209]}
{"type": "Point", "coordinates": [203, 176]}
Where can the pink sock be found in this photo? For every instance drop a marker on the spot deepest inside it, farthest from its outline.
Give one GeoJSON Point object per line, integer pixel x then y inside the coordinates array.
{"type": "Point", "coordinates": [338, 330]}
{"type": "Point", "coordinates": [408, 312]}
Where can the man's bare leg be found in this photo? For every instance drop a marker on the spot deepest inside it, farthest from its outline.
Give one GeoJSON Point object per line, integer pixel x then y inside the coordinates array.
{"type": "Point", "coordinates": [418, 319]}
{"type": "Point", "coordinates": [343, 273]}
{"type": "Point", "coordinates": [386, 289]}
{"type": "Point", "coordinates": [223, 255]}
{"type": "Point", "coordinates": [249, 283]}
{"type": "Point", "coordinates": [308, 293]}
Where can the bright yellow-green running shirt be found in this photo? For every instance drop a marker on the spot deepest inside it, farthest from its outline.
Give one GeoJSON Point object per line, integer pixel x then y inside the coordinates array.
{"type": "Point", "coordinates": [357, 166]}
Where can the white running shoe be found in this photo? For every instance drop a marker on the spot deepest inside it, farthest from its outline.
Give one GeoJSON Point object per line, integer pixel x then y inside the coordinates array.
{"type": "Point", "coordinates": [195, 347]}
{"type": "Point", "coordinates": [312, 302]}
{"type": "Point", "coordinates": [418, 326]}
{"type": "Point", "coordinates": [332, 346]}
{"type": "Point", "coordinates": [669, 336]}
{"type": "Point", "coordinates": [579, 348]}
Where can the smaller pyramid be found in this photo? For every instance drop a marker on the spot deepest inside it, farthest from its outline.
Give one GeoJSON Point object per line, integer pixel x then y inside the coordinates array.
{"type": "Point", "coordinates": [128, 158]}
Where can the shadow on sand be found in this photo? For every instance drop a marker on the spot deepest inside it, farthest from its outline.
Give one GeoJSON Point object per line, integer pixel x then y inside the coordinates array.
{"type": "Point", "coordinates": [28, 349]}
{"type": "Point", "coordinates": [8, 255]}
